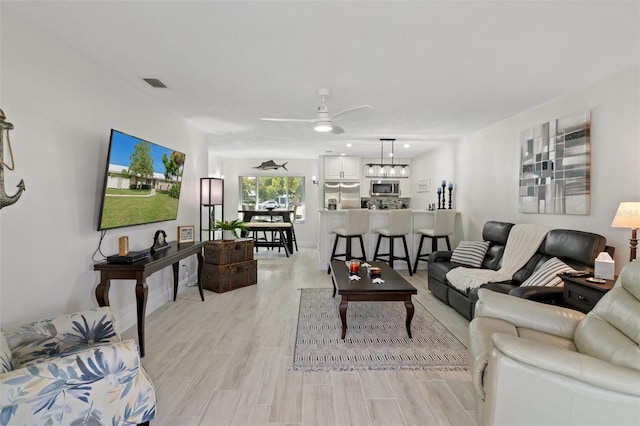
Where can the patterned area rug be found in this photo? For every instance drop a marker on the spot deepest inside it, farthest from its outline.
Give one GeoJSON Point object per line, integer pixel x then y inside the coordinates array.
{"type": "Point", "coordinates": [376, 337]}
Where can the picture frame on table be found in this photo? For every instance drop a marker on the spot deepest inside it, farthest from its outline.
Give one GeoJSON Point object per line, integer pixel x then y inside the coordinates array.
{"type": "Point", "coordinates": [186, 234]}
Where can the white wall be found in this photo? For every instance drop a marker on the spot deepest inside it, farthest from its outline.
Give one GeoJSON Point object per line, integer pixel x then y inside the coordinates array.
{"type": "Point", "coordinates": [232, 168]}
{"type": "Point", "coordinates": [486, 162]}
{"type": "Point", "coordinates": [63, 107]}
{"type": "Point", "coordinates": [437, 165]}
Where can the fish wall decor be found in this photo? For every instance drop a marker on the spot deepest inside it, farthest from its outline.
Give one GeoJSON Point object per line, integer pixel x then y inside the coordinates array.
{"type": "Point", "coordinates": [271, 165]}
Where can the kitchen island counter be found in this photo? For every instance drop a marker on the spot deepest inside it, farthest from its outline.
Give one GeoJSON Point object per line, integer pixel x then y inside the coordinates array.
{"type": "Point", "coordinates": [379, 218]}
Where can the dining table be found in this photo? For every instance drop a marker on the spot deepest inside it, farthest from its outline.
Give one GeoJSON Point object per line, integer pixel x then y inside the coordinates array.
{"type": "Point", "coordinates": [247, 215]}
{"type": "Point", "coordinates": [280, 215]}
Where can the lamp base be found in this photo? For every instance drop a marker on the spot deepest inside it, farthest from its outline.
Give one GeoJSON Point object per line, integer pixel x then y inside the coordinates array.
{"type": "Point", "coordinates": [633, 244]}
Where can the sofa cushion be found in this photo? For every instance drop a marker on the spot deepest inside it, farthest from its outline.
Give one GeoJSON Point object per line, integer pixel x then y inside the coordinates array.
{"type": "Point", "coordinates": [575, 248]}
{"type": "Point", "coordinates": [493, 258]}
{"type": "Point", "coordinates": [438, 270]}
{"type": "Point", "coordinates": [547, 274]}
{"type": "Point", "coordinates": [470, 253]}
{"type": "Point", "coordinates": [6, 359]}
{"type": "Point", "coordinates": [497, 232]}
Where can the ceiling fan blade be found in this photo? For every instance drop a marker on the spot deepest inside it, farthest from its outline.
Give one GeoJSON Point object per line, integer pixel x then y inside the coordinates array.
{"type": "Point", "coordinates": [340, 115]}
{"type": "Point", "coordinates": [298, 120]}
{"type": "Point", "coordinates": [336, 130]}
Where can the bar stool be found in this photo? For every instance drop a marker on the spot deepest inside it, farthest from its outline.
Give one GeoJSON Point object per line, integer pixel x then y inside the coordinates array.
{"type": "Point", "coordinates": [356, 225]}
{"type": "Point", "coordinates": [399, 226]}
{"type": "Point", "coordinates": [444, 222]}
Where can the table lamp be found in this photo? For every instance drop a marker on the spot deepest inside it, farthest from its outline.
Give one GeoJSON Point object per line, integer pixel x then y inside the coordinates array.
{"type": "Point", "coordinates": [628, 216]}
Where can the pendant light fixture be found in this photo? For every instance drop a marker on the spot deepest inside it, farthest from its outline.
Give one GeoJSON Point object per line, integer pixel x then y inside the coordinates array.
{"type": "Point", "coordinates": [386, 170]}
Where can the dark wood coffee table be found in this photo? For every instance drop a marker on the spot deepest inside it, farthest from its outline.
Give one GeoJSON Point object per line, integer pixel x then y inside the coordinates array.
{"type": "Point", "coordinates": [394, 289]}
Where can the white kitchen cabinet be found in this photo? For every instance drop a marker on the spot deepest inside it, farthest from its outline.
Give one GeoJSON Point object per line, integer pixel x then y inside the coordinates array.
{"type": "Point", "coordinates": [342, 168]}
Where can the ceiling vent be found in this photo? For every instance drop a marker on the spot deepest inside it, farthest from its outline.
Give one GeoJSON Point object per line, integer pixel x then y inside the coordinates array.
{"type": "Point", "coordinates": [154, 82]}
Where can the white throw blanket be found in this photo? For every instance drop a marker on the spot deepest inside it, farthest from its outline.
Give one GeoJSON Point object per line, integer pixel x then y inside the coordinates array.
{"type": "Point", "coordinates": [522, 243]}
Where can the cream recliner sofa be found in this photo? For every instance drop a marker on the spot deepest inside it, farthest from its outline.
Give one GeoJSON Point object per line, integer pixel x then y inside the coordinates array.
{"type": "Point", "coordinates": [538, 364]}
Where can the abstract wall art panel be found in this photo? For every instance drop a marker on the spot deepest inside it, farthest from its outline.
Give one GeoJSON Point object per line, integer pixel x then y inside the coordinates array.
{"type": "Point", "coordinates": [555, 166]}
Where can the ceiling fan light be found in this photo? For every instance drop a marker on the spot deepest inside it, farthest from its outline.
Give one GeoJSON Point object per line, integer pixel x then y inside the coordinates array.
{"type": "Point", "coordinates": [322, 126]}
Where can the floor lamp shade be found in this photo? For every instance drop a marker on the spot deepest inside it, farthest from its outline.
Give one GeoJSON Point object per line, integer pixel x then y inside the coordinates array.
{"type": "Point", "coordinates": [628, 216]}
{"type": "Point", "coordinates": [211, 196]}
{"type": "Point", "coordinates": [211, 191]}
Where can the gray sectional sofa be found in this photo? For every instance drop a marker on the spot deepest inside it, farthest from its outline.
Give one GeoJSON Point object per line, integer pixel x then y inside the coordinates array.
{"type": "Point", "coordinates": [577, 249]}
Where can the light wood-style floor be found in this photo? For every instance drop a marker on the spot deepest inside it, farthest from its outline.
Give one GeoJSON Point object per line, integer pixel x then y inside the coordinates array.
{"type": "Point", "coordinates": [226, 361]}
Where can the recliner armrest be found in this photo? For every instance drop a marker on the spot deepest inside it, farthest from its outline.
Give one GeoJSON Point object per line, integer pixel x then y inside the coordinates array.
{"type": "Point", "coordinates": [549, 295]}
{"type": "Point", "coordinates": [549, 319]}
{"type": "Point", "coordinates": [574, 365]}
{"type": "Point", "coordinates": [440, 256]}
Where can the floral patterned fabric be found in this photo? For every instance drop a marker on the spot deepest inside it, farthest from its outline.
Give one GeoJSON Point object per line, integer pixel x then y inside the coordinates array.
{"type": "Point", "coordinates": [74, 370]}
{"type": "Point", "coordinates": [55, 337]}
{"type": "Point", "coordinates": [6, 359]}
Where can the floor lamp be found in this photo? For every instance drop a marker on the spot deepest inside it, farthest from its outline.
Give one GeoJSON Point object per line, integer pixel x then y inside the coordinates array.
{"type": "Point", "coordinates": [211, 195]}
{"type": "Point", "coordinates": [628, 216]}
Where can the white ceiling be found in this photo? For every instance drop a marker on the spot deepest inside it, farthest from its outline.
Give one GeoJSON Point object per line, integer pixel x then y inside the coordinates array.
{"type": "Point", "coordinates": [432, 70]}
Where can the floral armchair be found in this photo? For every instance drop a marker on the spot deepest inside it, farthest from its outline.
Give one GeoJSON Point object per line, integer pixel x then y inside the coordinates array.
{"type": "Point", "coordinates": [73, 369]}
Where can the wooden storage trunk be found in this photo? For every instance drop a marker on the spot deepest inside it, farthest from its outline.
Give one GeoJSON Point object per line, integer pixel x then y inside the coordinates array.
{"type": "Point", "coordinates": [225, 252]}
{"type": "Point", "coordinates": [221, 278]}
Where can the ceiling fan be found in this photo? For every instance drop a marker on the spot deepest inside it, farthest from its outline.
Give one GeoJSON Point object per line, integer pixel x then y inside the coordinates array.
{"type": "Point", "coordinates": [323, 122]}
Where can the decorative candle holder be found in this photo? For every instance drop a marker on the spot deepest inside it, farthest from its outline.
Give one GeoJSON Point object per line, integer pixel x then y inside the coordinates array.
{"type": "Point", "coordinates": [444, 186]}
{"type": "Point", "coordinates": [439, 192]}
{"type": "Point", "coordinates": [450, 191]}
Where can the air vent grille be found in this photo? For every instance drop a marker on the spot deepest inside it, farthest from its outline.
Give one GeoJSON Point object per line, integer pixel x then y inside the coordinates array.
{"type": "Point", "coordinates": [154, 82]}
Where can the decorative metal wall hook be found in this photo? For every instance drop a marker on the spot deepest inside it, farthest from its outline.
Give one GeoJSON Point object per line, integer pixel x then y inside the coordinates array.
{"type": "Point", "coordinates": [7, 200]}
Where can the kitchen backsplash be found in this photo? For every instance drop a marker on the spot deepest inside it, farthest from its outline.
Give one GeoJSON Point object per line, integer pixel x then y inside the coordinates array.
{"type": "Point", "coordinates": [386, 202]}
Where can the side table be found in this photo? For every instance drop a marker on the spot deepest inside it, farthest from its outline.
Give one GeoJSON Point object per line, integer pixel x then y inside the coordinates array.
{"type": "Point", "coordinates": [582, 295]}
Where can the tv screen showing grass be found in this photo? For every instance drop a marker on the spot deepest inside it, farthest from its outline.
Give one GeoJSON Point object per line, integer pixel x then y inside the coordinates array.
{"type": "Point", "coordinates": [141, 184]}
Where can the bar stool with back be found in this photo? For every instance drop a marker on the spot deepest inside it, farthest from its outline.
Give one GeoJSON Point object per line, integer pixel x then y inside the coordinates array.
{"type": "Point", "coordinates": [444, 223]}
{"type": "Point", "coordinates": [399, 227]}
{"type": "Point", "coordinates": [356, 225]}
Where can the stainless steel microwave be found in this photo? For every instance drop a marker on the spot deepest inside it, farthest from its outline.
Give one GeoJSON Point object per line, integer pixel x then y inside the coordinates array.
{"type": "Point", "coordinates": [385, 188]}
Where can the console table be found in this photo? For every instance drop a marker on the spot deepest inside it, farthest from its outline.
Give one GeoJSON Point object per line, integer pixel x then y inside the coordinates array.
{"type": "Point", "coordinates": [140, 270]}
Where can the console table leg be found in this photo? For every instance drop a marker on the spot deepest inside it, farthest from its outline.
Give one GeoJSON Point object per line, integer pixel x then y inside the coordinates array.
{"type": "Point", "coordinates": [141, 305]}
{"type": "Point", "coordinates": [343, 315]}
{"type": "Point", "coordinates": [410, 309]}
{"type": "Point", "coordinates": [102, 290]}
{"type": "Point", "coordinates": [176, 274]}
{"type": "Point", "coordinates": [200, 261]}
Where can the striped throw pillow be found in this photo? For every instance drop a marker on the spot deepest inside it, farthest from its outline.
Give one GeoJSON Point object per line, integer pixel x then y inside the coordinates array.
{"type": "Point", "coordinates": [470, 253]}
{"type": "Point", "coordinates": [547, 274]}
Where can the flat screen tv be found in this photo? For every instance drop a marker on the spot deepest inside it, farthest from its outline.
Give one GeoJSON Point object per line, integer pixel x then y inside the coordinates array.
{"type": "Point", "coordinates": [141, 183]}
